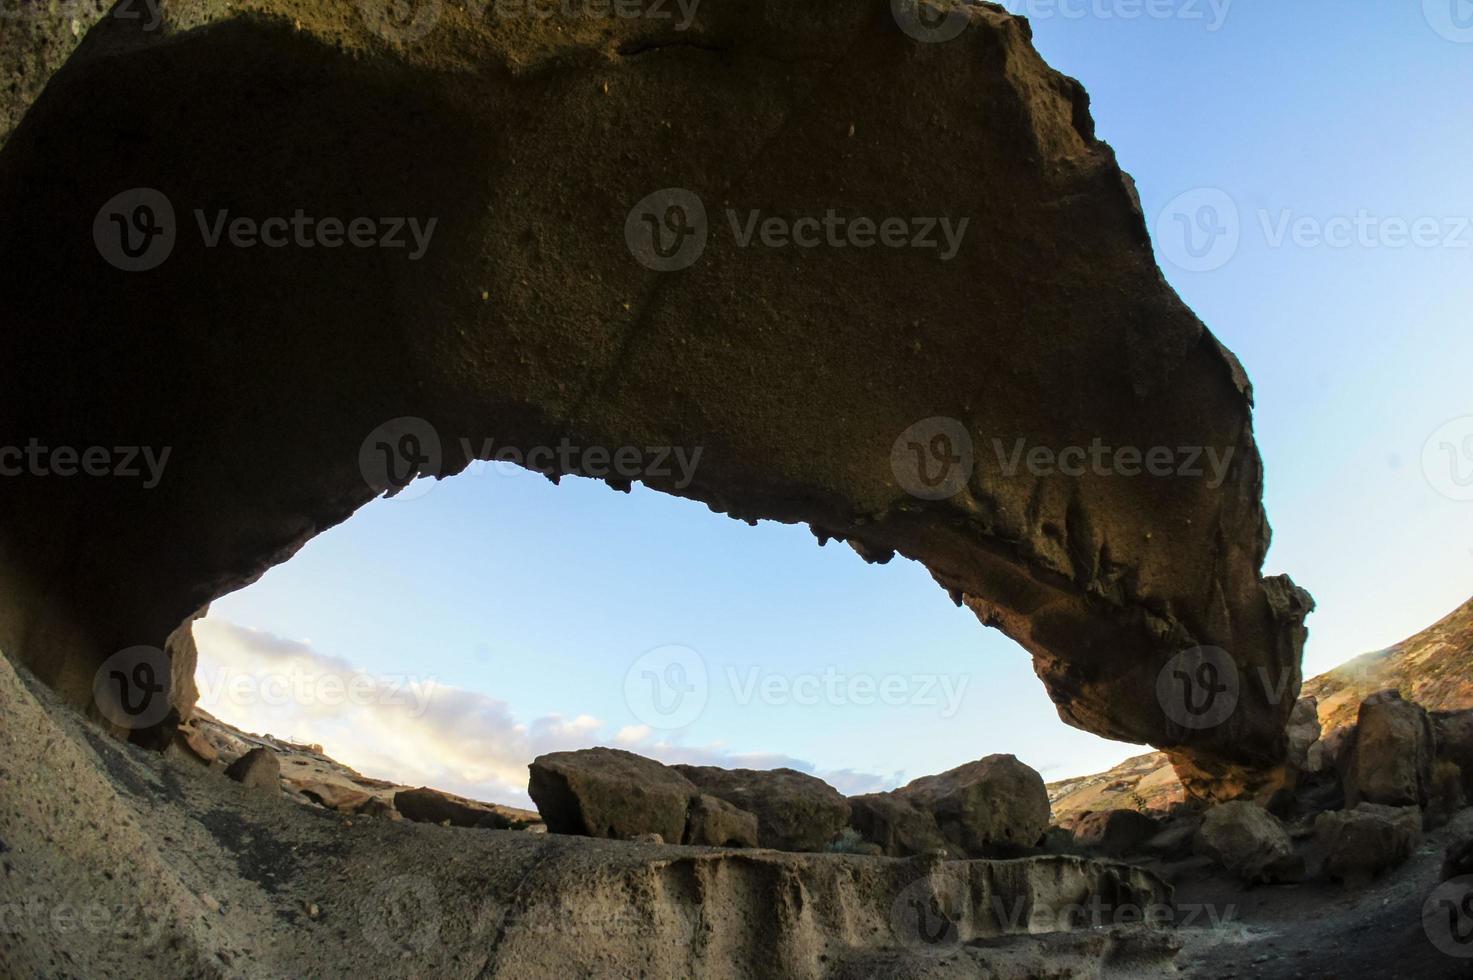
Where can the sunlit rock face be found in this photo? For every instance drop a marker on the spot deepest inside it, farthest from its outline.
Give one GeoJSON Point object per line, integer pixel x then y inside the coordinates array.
{"type": "Point", "coordinates": [953, 344]}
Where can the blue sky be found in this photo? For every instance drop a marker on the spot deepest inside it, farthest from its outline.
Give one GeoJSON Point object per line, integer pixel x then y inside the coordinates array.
{"type": "Point", "coordinates": [531, 602]}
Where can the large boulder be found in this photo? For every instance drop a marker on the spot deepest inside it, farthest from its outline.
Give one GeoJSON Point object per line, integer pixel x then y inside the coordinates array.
{"type": "Point", "coordinates": [1249, 842]}
{"type": "Point", "coordinates": [569, 161]}
{"type": "Point", "coordinates": [604, 792]}
{"type": "Point", "coordinates": [1361, 843]}
{"type": "Point", "coordinates": [426, 805]}
{"type": "Point", "coordinates": [994, 806]}
{"type": "Point", "coordinates": [1390, 761]}
{"type": "Point", "coordinates": [795, 811]}
{"type": "Point", "coordinates": [1453, 731]}
{"type": "Point", "coordinates": [1115, 832]}
{"type": "Point", "coordinates": [896, 826]}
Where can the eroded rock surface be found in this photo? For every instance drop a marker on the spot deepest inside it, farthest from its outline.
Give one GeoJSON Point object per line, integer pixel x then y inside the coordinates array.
{"type": "Point", "coordinates": [812, 387]}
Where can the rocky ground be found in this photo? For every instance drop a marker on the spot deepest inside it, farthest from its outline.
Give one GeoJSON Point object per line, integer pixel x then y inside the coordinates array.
{"type": "Point", "coordinates": [268, 859]}
{"type": "Point", "coordinates": [121, 862]}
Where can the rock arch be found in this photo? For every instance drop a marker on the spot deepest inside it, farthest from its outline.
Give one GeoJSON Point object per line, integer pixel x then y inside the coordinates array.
{"type": "Point", "coordinates": [529, 320]}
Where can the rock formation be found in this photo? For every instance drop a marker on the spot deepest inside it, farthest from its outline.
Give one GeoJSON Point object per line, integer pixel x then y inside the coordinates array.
{"type": "Point", "coordinates": [1031, 415]}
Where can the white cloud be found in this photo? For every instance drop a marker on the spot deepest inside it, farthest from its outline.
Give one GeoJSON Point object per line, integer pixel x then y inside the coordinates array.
{"type": "Point", "coordinates": [632, 734]}
{"type": "Point", "coordinates": [413, 730]}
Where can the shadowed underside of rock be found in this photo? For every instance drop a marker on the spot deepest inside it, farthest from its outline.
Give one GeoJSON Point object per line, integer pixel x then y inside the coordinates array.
{"type": "Point", "coordinates": [528, 321]}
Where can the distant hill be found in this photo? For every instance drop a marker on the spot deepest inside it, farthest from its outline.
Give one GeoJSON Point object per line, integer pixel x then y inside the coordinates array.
{"type": "Point", "coordinates": [1433, 668]}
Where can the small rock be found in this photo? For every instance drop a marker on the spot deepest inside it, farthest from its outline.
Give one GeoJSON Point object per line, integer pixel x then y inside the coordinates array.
{"type": "Point", "coordinates": [1361, 843]}
{"type": "Point", "coordinates": [1458, 860]}
{"type": "Point", "coordinates": [258, 770]}
{"type": "Point", "coordinates": [1249, 842]}
{"type": "Point", "coordinates": [1306, 751]}
{"type": "Point", "coordinates": [1115, 832]}
{"type": "Point", "coordinates": [716, 823]}
{"type": "Point", "coordinates": [645, 839]}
